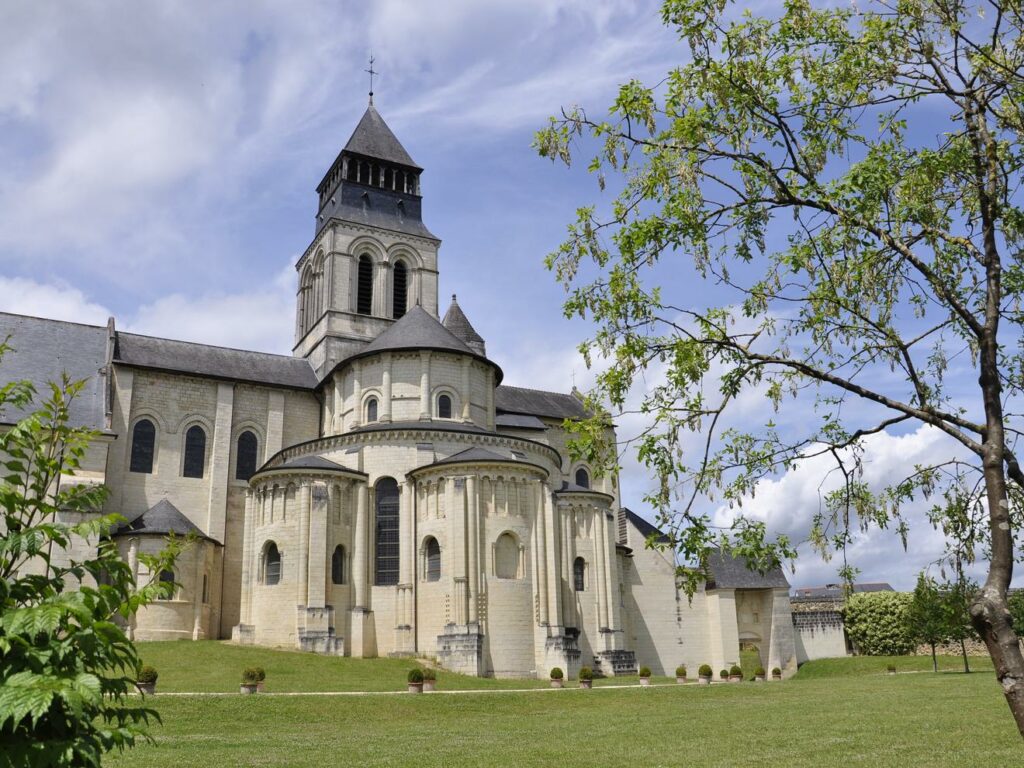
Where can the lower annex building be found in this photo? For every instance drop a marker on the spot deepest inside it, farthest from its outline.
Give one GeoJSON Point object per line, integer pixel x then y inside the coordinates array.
{"type": "Point", "coordinates": [382, 492]}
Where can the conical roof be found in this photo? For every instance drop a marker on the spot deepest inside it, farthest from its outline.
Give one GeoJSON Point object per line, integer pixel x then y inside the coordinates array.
{"type": "Point", "coordinates": [373, 138]}
{"type": "Point", "coordinates": [417, 329]}
{"type": "Point", "coordinates": [161, 519]}
{"type": "Point", "coordinates": [455, 320]}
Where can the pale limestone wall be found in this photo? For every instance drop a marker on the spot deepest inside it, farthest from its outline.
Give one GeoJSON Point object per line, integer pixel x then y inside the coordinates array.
{"type": "Point", "coordinates": [819, 635]}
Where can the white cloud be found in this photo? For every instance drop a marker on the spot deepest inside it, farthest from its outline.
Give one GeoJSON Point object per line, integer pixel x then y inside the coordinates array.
{"type": "Point", "coordinates": [57, 301]}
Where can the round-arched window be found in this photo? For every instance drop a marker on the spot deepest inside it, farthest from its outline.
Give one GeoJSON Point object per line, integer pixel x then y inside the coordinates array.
{"type": "Point", "coordinates": [579, 574]}
{"type": "Point", "coordinates": [271, 564]}
{"type": "Point", "coordinates": [444, 407]}
{"type": "Point", "coordinates": [506, 557]}
{"type": "Point", "coordinates": [338, 565]}
{"type": "Point", "coordinates": [432, 555]}
{"type": "Point", "coordinates": [143, 446]}
{"type": "Point", "coordinates": [582, 478]}
{"type": "Point", "coordinates": [371, 409]}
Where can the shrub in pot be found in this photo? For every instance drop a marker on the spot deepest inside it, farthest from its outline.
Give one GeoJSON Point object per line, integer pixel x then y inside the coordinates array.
{"type": "Point", "coordinates": [415, 680]}
{"type": "Point", "coordinates": [681, 674]}
{"type": "Point", "coordinates": [145, 680]}
{"type": "Point", "coordinates": [645, 675]}
{"type": "Point", "coordinates": [891, 669]}
{"type": "Point", "coordinates": [429, 679]}
{"type": "Point", "coordinates": [261, 676]}
{"type": "Point", "coordinates": [556, 677]}
{"type": "Point", "coordinates": [759, 675]}
{"type": "Point", "coordinates": [723, 674]}
{"type": "Point", "coordinates": [735, 674]}
{"type": "Point", "coordinates": [776, 673]}
{"type": "Point", "coordinates": [586, 677]}
{"type": "Point", "coordinates": [704, 674]}
{"type": "Point", "coordinates": [250, 680]}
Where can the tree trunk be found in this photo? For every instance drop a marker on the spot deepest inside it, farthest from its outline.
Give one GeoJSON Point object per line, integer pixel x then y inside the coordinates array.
{"type": "Point", "coordinates": [935, 661]}
{"type": "Point", "coordinates": [963, 650]}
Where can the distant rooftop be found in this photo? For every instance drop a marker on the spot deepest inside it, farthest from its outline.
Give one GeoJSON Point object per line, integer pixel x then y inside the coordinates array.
{"type": "Point", "coordinates": [835, 591]}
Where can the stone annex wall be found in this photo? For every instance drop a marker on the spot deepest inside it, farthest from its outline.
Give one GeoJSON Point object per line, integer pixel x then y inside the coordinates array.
{"type": "Point", "coordinates": [819, 630]}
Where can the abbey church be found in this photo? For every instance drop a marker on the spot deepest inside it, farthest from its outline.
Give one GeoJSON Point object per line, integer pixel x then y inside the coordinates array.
{"type": "Point", "coordinates": [382, 491]}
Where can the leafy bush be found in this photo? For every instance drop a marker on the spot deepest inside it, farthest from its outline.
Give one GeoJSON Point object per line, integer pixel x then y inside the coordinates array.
{"type": "Point", "coordinates": [1016, 601]}
{"type": "Point", "coordinates": [681, 671]}
{"type": "Point", "coordinates": [586, 673]}
{"type": "Point", "coordinates": [429, 674]}
{"type": "Point", "coordinates": [705, 670]}
{"type": "Point", "coordinates": [645, 671]}
{"type": "Point", "coordinates": [147, 675]}
{"type": "Point", "coordinates": [415, 675]}
{"type": "Point", "coordinates": [877, 623]}
{"type": "Point", "coordinates": [557, 673]}
{"type": "Point", "coordinates": [724, 674]}
{"type": "Point", "coordinates": [261, 674]}
{"type": "Point", "coordinates": [735, 671]}
{"type": "Point", "coordinates": [759, 672]}
{"type": "Point", "coordinates": [250, 676]}
{"type": "Point", "coordinates": [776, 672]}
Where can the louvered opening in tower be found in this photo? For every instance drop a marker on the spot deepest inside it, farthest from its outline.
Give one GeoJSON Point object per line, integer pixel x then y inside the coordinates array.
{"type": "Point", "coordinates": [400, 295]}
{"type": "Point", "coordinates": [364, 300]}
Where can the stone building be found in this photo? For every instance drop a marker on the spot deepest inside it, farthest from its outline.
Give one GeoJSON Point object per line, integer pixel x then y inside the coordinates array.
{"type": "Point", "coordinates": [382, 491]}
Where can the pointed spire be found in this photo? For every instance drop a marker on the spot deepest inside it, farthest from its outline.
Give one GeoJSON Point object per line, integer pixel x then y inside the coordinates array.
{"type": "Point", "coordinates": [455, 320]}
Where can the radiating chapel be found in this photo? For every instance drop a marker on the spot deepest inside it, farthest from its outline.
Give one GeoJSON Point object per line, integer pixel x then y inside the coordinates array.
{"type": "Point", "coordinates": [382, 491]}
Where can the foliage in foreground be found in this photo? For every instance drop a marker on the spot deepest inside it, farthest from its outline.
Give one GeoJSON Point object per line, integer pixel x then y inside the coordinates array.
{"type": "Point", "coordinates": [66, 666]}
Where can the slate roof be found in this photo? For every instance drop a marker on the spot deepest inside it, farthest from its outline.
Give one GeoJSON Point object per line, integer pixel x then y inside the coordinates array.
{"type": "Point", "coordinates": [536, 402]}
{"type": "Point", "coordinates": [43, 349]}
{"type": "Point", "coordinates": [443, 426]}
{"type": "Point", "coordinates": [728, 572]}
{"type": "Point", "coordinates": [161, 519]}
{"type": "Point", "coordinates": [645, 528]}
{"type": "Point", "coordinates": [373, 138]}
{"type": "Point", "coordinates": [835, 591]}
{"type": "Point", "coordinates": [312, 462]}
{"type": "Point", "coordinates": [475, 454]}
{"type": "Point", "coordinates": [519, 421]}
{"type": "Point", "coordinates": [218, 362]}
{"type": "Point", "coordinates": [455, 320]}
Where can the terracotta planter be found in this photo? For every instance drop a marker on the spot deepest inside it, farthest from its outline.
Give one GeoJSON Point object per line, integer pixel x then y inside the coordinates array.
{"type": "Point", "coordinates": [586, 683]}
{"type": "Point", "coordinates": [645, 681]}
{"type": "Point", "coordinates": [759, 678]}
{"type": "Point", "coordinates": [735, 678]}
{"type": "Point", "coordinates": [681, 680]}
{"type": "Point", "coordinates": [429, 685]}
{"type": "Point", "coordinates": [704, 681]}
{"type": "Point", "coordinates": [556, 683]}
{"type": "Point", "coordinates": [147, 688]}
{"type": "Point", "coordinates": [259, 686]}
{"type": "Point", "coordinates": [776, 677]}
{"type": "Point", "coordinates": [248, 688]}
{"type": "Point", "coordinates": [415, 687]}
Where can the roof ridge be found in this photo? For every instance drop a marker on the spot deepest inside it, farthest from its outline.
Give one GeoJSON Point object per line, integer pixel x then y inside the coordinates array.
{"type": "Point", "coordinates": [210, 346]}
{"type": "Point", "coordinates": [52, 320]}
{"type": "Point", "coordinates": [541, 391]}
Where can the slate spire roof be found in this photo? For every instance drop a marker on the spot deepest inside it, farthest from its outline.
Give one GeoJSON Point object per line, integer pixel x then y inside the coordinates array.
{"type": "Point", "coordinates": [455, 320]}
{"type": "Point", "coordinates": [373, 138]}
{"type": "Point", "coordinates": [161, 519]}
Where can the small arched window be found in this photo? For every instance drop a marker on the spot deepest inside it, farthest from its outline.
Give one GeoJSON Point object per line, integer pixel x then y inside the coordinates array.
{"type": "Point", "coordinates": [371, 410]}
{"type": "Point", "coordinates": [245, 456]}
{"type": "Point", "coordinates": [387, 553]}
{"type": "Point", "coordinates": [167, 582]}
{"type": "Point", "coordinates": [579, 574]}
{"type": "Point", "coordinates": [506, 557]}
{"type": "Point", "coordinates": [444, 407]}
{"type": "Point", "coordinates": [400, 290]}
{"type": "Point", "coordinates": [432, 555]}
{"type": "Point", "coordinates": [364, 286]}
{"type": "Point", "coordinates": [338, 565]}
{"type": "Point", "coordinates": [143, 445]}
{"type": "Point", "coordinates": [195, 452]}
{"type": "Point", "coordinates": [271, 564]}
{"type": "Point", "coordinates": [582, 478]}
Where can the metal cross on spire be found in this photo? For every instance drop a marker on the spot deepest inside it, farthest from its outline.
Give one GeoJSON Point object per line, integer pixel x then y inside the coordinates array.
{"type": "Point", "coordinates": [371, 73]}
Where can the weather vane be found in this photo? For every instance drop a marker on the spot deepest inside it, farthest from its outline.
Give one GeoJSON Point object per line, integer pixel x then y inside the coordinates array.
{"type": "Point", "coordinates": [371, 73]}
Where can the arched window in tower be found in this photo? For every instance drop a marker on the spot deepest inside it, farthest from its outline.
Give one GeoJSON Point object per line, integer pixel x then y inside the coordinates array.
{"type": "Point", "coordinates": [143, 446]}
{"type": "Point", "coordinates": [582, 478]}
{"type": "Point", "coordinates": [371, 410]}
{"type": "Point", "coordinates": [364, 287]}
{"type": "Point", "coordinates": [400, 289]}
{"type": "Point", "coordinates": [444, 407]}
{"type": "Point", "coordinates": [506, 557]}
{"type": "Point", "coordinates": [195, 452]}
{"type": "Point", "coordinates": [579, 574]}
{"type": "Point", "coordinates": [271, 564]}
{"type": "Point", "coordinates": [338, 565]}
{"type": "Point", "coordinates": [386, 561]}
{"type": "Point", "coordinates": [432, 558]}
{"type": "Point", "coordinates": [246, 456]}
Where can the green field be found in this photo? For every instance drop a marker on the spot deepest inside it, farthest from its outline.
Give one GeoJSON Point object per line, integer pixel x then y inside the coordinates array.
{"type": "Point", "coordinates": [834, 713]}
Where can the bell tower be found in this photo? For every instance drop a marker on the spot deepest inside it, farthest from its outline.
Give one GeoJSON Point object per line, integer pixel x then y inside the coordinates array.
{"type": "Point", "coordinates": [372, 258]}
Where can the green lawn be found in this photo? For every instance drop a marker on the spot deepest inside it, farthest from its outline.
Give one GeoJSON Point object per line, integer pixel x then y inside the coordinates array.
{"type": "Point", "coordinates": [834, 713]}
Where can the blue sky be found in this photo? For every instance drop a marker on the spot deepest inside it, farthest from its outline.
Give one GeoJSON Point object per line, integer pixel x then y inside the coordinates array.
{"type": "Point", "coordinates": [158, 162]}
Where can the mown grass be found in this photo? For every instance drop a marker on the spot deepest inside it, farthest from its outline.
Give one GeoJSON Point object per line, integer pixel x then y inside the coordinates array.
{"type": "Point", "coordinates": [845, 712]}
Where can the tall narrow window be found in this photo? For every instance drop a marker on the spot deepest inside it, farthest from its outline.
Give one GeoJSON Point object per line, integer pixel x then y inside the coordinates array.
{"type": "Point", "coordinates": [371, 410]}
{"type": "Point", "coordinates": [271, 564]}
{"type": "Point", "coordinates": [364, 287]}
{"type": "Point", "coordinates": [506, 557]}
{"type": "Point", "coordinates": [579, 574]}
{"type": "Point", "coordinates": [400, 293]}
{"type": "Point", "coordinates": [386, 572]}
{"type": "Point", "coordinates": [143, 444]}
{"type": "Point", "coordinates": [195, 452]}
{"type": "Point", "coordinates": [167, 582]}
{"type": "Point", "coordinates": [245, 456]}
{"type": "Point", "coordinates": [444, 407]}
{"type": "Point", "coordinates": [432, 553]}
{"type": "Point", "coordinates": [338, 565]}
{"type": "Point", "coordinates": [582, 478]}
